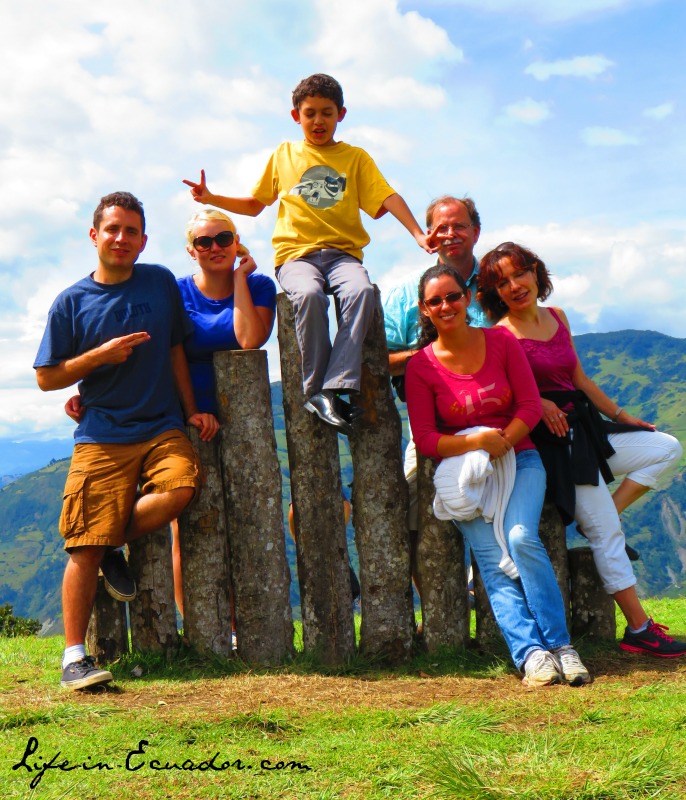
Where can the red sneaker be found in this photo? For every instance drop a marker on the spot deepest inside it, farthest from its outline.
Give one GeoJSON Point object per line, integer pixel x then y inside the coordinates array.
{"type": "Point", "coordinates": [653, 641]}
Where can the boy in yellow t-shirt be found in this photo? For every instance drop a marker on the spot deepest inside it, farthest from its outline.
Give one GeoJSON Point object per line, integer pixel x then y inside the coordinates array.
{"type": "Point", "coordinates": [318, 239]}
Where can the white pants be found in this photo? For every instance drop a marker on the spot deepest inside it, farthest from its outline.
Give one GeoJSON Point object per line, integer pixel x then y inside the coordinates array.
{"type": "Point", "coordinates": [641, 456]}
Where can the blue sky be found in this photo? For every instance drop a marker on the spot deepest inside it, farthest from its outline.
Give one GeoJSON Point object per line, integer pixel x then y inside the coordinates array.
{"type": "Point", "coordinates": [565, 120]}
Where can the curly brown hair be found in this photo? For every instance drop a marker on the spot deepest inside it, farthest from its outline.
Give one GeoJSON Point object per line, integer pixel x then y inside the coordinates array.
{"type": "Point", "coordinates": [490, 274]}
{"type": "Point", "coordinates": [427, 331]}
{"type": "Point", "coordinates": [319, 85]}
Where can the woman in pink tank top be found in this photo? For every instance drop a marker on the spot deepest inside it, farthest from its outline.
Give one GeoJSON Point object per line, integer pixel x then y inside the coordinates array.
{"type": "Point", "coordinates": [581, 450]}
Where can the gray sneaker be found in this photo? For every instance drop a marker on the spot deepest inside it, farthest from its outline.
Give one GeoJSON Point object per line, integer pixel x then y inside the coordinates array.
{"type": "Point", "coordinates": [83, 673]}
{"type": "Point", "coordinates": [573, 671]}
{"type": "Point", "coordinates": [541, 669]}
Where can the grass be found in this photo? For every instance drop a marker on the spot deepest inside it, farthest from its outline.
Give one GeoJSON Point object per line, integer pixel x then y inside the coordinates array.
{"type": "Point", "coordinates": [453, 725]}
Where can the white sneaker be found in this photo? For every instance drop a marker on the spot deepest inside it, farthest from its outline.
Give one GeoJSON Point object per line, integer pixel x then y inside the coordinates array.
{"type": "Point", "coordinates": [573, 671]}
{"type": "Point", "coordinates": [541, 669]}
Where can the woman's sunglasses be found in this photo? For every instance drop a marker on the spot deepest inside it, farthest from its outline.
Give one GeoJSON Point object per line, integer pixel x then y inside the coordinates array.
{"type": "Point", "coordinates": [450, 298]}
{"type": "Point", "coordinates": [223, 239]}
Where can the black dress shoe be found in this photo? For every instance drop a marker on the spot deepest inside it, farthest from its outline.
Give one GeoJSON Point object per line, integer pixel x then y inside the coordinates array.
{"type": "Point", "coordinates": [633, 554]}
{"type": "Point", "coordinates": [322, 404]}
{"type": "Point", "coordinates": [348, 411]}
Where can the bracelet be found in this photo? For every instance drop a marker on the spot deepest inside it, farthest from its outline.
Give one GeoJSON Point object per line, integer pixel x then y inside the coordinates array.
{"type": "Point", "coordinates": [617, 413]}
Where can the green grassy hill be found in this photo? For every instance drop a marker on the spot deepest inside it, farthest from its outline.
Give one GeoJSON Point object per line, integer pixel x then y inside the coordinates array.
{"type": "Point", "coordinates": [642, 370]}
{"type": "Point", "coordinates": [456, 725]}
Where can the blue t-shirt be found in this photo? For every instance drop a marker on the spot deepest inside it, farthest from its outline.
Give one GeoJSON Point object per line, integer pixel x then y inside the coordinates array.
{"type": "Point", "coordinates": [137, 400]}
{"type": "Point", "coordinates": [401, 312]}
{"type": "Point", "coordinates": [213, 330]}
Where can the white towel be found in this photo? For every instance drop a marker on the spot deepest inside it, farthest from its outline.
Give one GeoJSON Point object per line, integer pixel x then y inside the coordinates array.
{"type": "Point", "coordinates": [471, 485]}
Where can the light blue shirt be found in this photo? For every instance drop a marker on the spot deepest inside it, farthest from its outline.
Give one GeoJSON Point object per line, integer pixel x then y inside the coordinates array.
{"type": "Point", "coordinates": [401, 312]}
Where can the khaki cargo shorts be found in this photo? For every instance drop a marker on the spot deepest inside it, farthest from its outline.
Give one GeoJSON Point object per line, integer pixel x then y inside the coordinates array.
{"type": "Point", "coordinates": [104, 480]}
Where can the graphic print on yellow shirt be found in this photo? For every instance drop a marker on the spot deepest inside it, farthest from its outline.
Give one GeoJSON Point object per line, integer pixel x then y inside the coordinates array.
{"type": "Point", "coordinates": [320, 186]}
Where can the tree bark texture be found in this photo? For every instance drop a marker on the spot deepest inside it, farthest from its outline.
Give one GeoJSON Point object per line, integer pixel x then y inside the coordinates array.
{"type": "Point", "coordinates": [205, 558]}
{"type": "Point", "coordinates": [487, 630]}
{"type": "Point", "coordinates": [321, 547]}
{"type": "Point", "coordinates": [152, 613]}
{"type": "Point", "coordinates": [593, 609]}
{"type": "Point", "coordinates": [441, 570]}
{"type": "Point", "coordinates": [108, 635]}
{"type": "Point", "coordinates": [380, 501]}
{"type": "Point", "coordinates": [252, 481]}
{"type": "Point", "coordinates": [552, 534]}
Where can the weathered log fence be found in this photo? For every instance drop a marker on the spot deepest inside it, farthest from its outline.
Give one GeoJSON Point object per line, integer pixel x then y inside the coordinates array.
{"type": "Point", "coordinates": [233, 545]}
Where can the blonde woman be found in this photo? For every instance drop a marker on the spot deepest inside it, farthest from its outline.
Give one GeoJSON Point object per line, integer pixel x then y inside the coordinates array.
{"type": "Point", "coordinates": [231, 307]}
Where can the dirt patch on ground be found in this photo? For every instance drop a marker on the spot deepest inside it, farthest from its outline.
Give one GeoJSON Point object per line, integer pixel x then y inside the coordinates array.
{"type": "Point", "coordinates": [251, 693]}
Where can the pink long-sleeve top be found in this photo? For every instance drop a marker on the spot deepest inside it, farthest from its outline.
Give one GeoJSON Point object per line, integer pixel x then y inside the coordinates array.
{"type": "Point", "coordinates": [441, 402]}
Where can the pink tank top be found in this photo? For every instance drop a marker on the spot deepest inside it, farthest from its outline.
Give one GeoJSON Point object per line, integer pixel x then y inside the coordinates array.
{"type": "Point", "coordinates": [552, 362]}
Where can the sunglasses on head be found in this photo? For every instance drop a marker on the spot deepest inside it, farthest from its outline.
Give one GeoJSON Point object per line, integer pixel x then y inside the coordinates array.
{"type": "Point", "coordinates": [450, 298]}
{"type": "Point", "coordinates": [223, 239]}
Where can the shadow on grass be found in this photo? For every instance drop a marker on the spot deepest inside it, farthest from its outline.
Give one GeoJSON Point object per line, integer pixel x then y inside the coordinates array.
{"type": "Point", "coordinates": [601, 658]}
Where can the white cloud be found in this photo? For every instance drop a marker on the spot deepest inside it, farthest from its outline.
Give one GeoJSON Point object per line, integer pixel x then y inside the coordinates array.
{"type": "Point", "coordinates": [95, 98]}
{"type": "Point", "coordinates": [23, 410]}
{"type": "Point", "coordinates": [659, 112]}
{"type": "Point", "coordinates": [384, 144]}
{"type": "Point", "coordinates": [607, 137]}
{"type": "Point", "coordinates": [600, 270]}
{"type": "Point", "coordinates": [389, 58]}
{"type": "Point", "coordinates": [578, 67]}
{"type": "Point", "coordinates": [527, 111]}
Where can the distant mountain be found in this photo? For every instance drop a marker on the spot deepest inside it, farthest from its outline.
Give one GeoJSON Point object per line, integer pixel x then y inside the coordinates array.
{"type": "Point", "coordinates": [19, 457]}
{"type": "Point", "coordinates": [642, 370]}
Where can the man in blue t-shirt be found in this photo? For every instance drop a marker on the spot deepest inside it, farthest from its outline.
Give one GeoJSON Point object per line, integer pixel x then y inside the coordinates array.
{"type": "Point", "coordinates": [119, 334]}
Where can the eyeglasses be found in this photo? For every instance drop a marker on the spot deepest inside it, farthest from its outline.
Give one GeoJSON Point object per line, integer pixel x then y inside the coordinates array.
{"type": "Point", "coordinates": [446, 230]}
{"type": "Point", "coordinates": [450, 298]}
{"type": "Point", "coordinates": [223, 239]}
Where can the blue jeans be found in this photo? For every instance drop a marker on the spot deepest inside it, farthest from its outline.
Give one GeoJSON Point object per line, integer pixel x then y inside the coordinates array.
{"type": "Point", "coordinates": [529, 611]}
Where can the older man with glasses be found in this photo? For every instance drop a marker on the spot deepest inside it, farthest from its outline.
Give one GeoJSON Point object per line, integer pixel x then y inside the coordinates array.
{"type": "Point", "coordinates": [453, 227]}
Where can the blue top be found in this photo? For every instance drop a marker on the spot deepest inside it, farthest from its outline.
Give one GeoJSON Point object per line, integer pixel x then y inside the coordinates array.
{"type": "Point", "coordinates": [401, 312]}
{"type": "Point", "coordinates": [137, 400]}
{"type": "Point", "coordinates": [213, 329]}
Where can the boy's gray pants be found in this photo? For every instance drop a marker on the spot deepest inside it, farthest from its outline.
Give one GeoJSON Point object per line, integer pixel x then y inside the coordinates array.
{"type": "Point", "coordinates": [307, 281]}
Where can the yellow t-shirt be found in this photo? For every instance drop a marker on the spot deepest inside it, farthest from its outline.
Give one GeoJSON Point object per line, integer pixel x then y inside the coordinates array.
{"type": "Point", "coordinates": [321, 190]}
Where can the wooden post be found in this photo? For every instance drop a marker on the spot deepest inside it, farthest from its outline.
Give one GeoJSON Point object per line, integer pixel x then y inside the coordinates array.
{"type": "Point", "coordinates": [107, 636]}
{"type": "Point", "coordinates": [553, 535]}
{"type": "Point", "coordinates": [380, 500]}
{"type": "Point", "coordinates": [441, 569]}
{"type": "Point", "coordinates": [205, 558]}
{"type": "Point", "coordinates": [321, 547]}
{"type": "Point", "coordinates": [152, 613]}
{"type": "Point", "coordinates": [252, 481]}
{"type": "Point", "coordinates": [487, 630]}
{"type": "Point", "coordinates": [593, 609]}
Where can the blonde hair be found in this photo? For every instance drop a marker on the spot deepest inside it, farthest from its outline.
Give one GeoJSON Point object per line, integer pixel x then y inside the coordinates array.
{"type": "Point", "coordinates": [212, 214]}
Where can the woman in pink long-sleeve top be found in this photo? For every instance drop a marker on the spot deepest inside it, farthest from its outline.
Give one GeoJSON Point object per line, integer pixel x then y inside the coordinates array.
{"type": "Point", "coordinates": [465, 377]}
